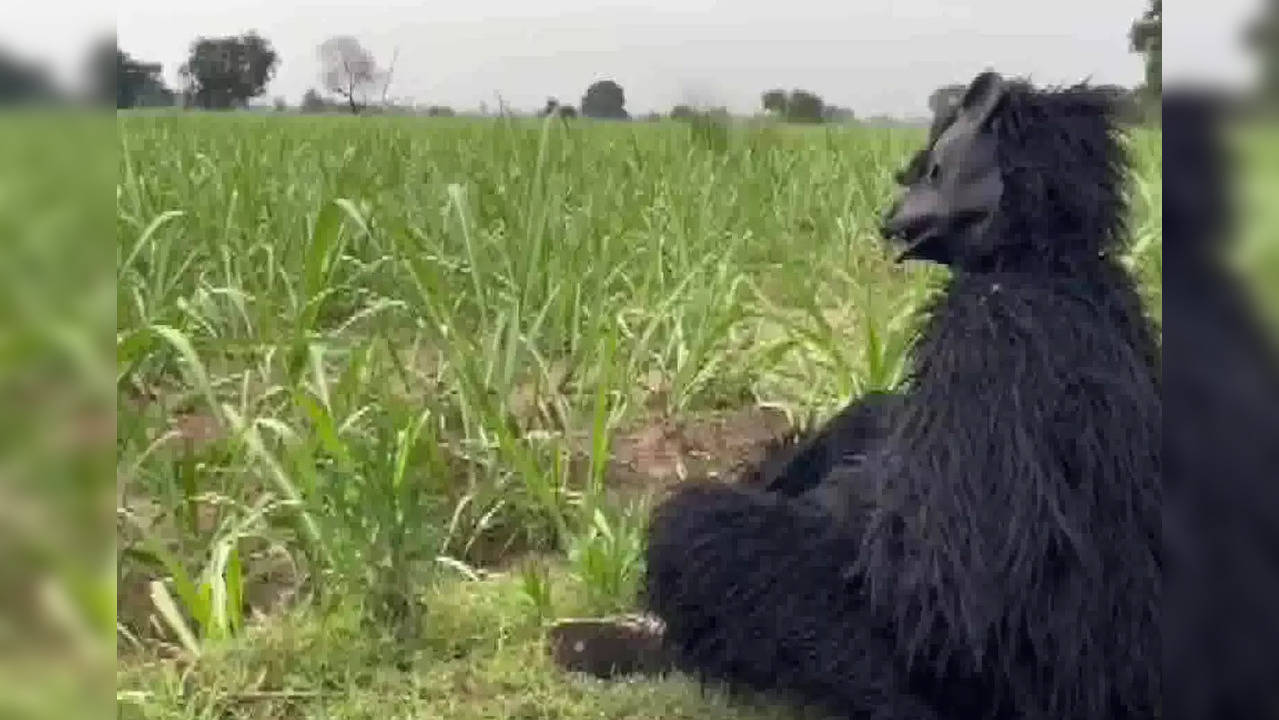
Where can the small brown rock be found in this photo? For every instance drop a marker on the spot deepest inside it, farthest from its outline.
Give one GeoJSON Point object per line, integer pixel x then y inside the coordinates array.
{"type": "Point", "coordinates": [608, 647]}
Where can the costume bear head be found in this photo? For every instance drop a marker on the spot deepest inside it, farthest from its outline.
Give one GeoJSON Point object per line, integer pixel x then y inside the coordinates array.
{"type": "Point", "coordinates": [1015, 178]}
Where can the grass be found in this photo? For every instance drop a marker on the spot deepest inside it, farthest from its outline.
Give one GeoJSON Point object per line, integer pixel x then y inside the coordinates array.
{"type": "Point", "coordinates": [479, 655]}
{"type": "Point", "coordinates": [370, 374]}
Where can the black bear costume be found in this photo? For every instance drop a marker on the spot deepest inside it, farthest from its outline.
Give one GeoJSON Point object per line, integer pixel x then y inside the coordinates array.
{"type": "Point", "coordinates": [984, 543]}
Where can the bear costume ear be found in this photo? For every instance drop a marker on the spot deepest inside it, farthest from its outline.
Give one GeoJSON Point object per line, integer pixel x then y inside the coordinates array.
{"type": "Point", "coordinates": [982, 97]}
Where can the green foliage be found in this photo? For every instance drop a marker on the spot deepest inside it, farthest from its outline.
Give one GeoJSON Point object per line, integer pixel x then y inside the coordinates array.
{"type": "Point", "coordinates": [837, 114]}
{"type": "Point", "coordinates": [481, 656]}
{"type": "Point", "coordinates": [396, 354]}
{"type": "Point", "coordinates": [607, 559]}
{"type": "Point", "coordinates": [1145, 36]}
{"type": "Point", "coordinates": [536, 587]}
{"type": "Point", "coordinates": [314, 102]}
{"type": "Point", "coordinates": [683, 112]}
{"type": "Point", "coordinates": [799, 106]}
{"type": "Point", "coordinates": [136, 83]}
{"type": "Point", "coordinates": [226, 72]}
{"type": "Point", "coordinates": [774, 101]}
{"type": "Point", "coordinates": [709, 130]}
{"type": "Point", "coordinates": [213, 599]}
{"type": "Point", "coordinates": [803, 106]}
{"type": "Point", "coordinates": [22, 81]}
{"type": "Point", "coordinates": [1262, 38]}
{"type": "Point", "coordinates": [57, 436]}
{"type": "Point", "coordinates": [605, 99]}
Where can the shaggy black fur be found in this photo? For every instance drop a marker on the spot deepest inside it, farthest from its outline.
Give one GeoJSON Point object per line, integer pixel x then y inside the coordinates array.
{"type": "Point", "coordinates": [1221, 521]}
{"type": "Point", "coordinates": [986, 543]}
{"type": "Point", "coordinates": [796, 465]}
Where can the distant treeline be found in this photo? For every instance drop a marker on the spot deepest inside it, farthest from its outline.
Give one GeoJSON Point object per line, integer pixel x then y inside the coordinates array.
{"type": "Point", "coordinates": [230, 72]}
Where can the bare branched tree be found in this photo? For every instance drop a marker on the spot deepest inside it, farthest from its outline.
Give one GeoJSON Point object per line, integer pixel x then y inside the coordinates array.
{"type": "Point", "coordinates": [350, 71]}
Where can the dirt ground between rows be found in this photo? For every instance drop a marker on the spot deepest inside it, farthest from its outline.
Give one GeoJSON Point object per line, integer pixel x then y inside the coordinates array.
{"type": "Point", "coordinates": [647, 457]}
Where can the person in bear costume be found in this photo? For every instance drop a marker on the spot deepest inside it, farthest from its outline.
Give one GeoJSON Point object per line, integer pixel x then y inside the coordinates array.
{"type": "Point", "coordinates": [984, 543]}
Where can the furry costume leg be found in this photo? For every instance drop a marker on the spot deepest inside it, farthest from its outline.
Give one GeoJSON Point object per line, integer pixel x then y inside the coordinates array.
{"type": "Point", "coordinates": [755, 589]}
{"type": "Point", "coordinates": [846, 438]}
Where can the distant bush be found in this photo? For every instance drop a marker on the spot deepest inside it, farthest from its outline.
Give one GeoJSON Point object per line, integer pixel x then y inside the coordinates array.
{"type": "Point", "coordinates": [708, 128]}
{"type": "Point", "coordinates": [798, 106]}
{"type": "Point", "coordinates": [683, 112]}
{"type": "Point", "coordinates": [553, 107]}
{"type": "Point", "coordinates": [314, 102]}
{"type": "Point", "coordinates": [605, 99]}
{"type": "Point", "coordinates": [838, 114]}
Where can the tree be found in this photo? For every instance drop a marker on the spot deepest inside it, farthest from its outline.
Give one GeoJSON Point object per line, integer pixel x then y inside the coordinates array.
{"type": "Point", "coordinates": [225, 72]}
{"type": "Point", "coordinates": [837, 114]}
{"type": "Point", "coordinates": [313, 101]}
{"type": "Point", "coordinates": [795, 106]}
{"type": "Point", "coordinates": [605, 99]}
{"type": "Point", "coordinates": [1145, 36]}
{"type": "Point", "coordinates": [804, 106]}
{"type": "Point", "coordinates": [22, 81]}
{"type": "Point", "coordinates": [133, 83]}
{"type": "Point", "coordinates": [774, 101]}
{"type": "Point", "coordinates": [102, 72]}
{"type": "Point", "coordinates": [350, 71]}
{"type": "Point", "coordinates": [440, 111]}
{"type": "Point", "coordinates": [1262, 38]}
{"type": "Point", "coordinates": [683, 112]}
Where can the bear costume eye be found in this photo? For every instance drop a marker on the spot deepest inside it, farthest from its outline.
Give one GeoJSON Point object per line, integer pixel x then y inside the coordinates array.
{"type": "Point", "coordinates": [934, 173]}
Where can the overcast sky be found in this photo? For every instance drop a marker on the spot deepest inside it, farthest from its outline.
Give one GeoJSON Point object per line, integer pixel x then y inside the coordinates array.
{"type": "Point", "coordinates": [875, 56]}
